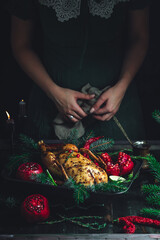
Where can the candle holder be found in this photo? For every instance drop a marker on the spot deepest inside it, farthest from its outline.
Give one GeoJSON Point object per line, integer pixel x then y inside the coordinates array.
{"type": "Point", "coordinates": [10, 131]}
{"type": "Point", "coordinates": [141, 148]}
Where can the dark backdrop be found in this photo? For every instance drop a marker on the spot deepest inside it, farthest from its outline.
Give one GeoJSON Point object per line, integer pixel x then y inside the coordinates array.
{"type": "Point", "coordinates": [15, 85]}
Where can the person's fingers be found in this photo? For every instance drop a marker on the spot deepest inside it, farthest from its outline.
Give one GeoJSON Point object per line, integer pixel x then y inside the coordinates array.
{"type": "Point", "coordinates": [98, 104]}
{"type": "Point", "coordinates": [105, 117]}
{"type": "Point", "coordinates": [80, 95]}
{"type": "Point", "coordinates": [103, 110]}
{"type": "Point", "coordinates": [78, 110]}
{"type": "Point", "coordinates": [75, 115]}
{"type": "Point", "coordinates": [72, 118]}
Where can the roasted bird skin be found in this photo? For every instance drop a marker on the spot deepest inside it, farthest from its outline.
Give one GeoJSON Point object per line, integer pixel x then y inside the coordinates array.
{"type": "Point", "coordinates": [80, 168]}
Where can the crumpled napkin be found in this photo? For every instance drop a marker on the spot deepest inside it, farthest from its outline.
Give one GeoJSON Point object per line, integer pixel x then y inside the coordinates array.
{"type": "Point", "coordinates": [62, 128]}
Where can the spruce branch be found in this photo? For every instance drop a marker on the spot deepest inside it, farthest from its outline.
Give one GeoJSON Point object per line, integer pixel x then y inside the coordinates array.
{"type": "Point", "coordinates": [156, 115]}
{"type": "Point", "coordinates": [43, 178]}
{"type": "Point", "coordinates": [16, 160]}
{"type": "Point", "coordinates": [80, 191]}
{"type": "Point", "coordinates": [28, 151]}
{"type": "Point", "coordinates": [85, 137]}
{"type": "Point", "coordinates": [8, 201]}
{"type": "Point", "coordinates": [28, 143]}
{"type": "Point", "coordinates": [150, 212]}
{"type": "Point", "coordinates": [101, 145]}
{"type": "Point", "coordinates": [153, 200]}
{"type": "Point", "coordinates": [150, 189]}
{"type": "Point", "coordinates": [154, 166]}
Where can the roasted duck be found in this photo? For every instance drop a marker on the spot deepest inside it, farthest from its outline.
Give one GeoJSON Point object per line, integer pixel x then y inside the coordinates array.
{"type": "Point", "coordinates": [67, 161]}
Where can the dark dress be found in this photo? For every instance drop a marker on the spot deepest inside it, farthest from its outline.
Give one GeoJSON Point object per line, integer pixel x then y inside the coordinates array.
{"type": "Point", "coordinates": [83, 42]}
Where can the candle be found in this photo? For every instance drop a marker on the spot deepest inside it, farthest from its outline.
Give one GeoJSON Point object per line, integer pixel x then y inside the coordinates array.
{"type": "Point", "coordinates": [9, 120]}
{"type": "Point", "coordinates": [22, 108]}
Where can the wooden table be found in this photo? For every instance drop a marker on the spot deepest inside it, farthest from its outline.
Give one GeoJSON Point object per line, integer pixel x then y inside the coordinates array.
{"type": "Point", "coordinates": [12, 226]}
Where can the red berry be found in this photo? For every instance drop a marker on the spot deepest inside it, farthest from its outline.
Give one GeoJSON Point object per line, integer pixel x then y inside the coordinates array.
{"type": "Point", "coordinates": [26, 170]}
{"type": "Point", "coordinates": [35, 208]}
{"type": "Point", "coordinates": [78, 155]}
{"type": "Point", "coordinates": [70, 151]}
{"type": "Point", "coordinates": [96, 163]}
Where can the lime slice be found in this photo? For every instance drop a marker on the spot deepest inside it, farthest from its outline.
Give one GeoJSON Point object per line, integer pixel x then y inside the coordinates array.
{"type": "Point", "coordinates": [116, 178]}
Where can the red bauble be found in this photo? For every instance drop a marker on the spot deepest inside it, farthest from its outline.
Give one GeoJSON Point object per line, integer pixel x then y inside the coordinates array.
{"type": "Point", "coordinates": [35, 208]}
{"type": "Point", "coordinates": [26, 170]}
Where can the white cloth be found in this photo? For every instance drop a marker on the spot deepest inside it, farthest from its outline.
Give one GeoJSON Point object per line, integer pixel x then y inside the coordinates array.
{"type": "Point", "coordinates": [63, 129]}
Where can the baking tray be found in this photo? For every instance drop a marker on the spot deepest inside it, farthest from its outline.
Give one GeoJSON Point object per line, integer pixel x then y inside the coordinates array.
{"type": "Point", "coordinates": [62, 194]}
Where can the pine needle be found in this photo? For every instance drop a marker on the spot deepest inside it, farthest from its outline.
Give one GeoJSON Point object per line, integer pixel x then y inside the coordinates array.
{"type": "Point", "coordinates": [28, 143]}
{"type": "Point", "coordinates": [150, 189]}
{"type": "Point", "coordinates": [153, 200]}
{"type": "Point", "coordinates": [150, 212]}
{"type": "Point", "coordinates": [101, 145]}
{"type": "Point", "coordinates": [154, 166]}
{"type": "Point", "coordinates": [80, 191]}
{"type": "Point", "coordinates": [156, 115]}
{"type": "Point", "coordinates": [16, 160]}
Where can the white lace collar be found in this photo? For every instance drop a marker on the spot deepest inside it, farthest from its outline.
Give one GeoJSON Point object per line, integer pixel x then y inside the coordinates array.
{"type": "Point", "coordinates": [67, 9]}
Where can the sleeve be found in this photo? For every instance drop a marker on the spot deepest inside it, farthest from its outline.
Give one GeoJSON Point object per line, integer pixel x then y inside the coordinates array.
{"type": "Point", "coordinates": [23, 9]}
{"type": "Point", "coordinates": [138, 4]}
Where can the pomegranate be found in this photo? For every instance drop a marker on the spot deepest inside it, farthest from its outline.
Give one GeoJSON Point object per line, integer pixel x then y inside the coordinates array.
{"type": "Point", "coordinates": [119, 167]}
{"type": "Point", "coordinates": [105, 157]}
{"type": "Point", "coordinates": [113, 169]}
{"type": "Point", "coordinates": [35, 208]}
{"type": "Point", "coordinates": [26, 170]}
{"type": "Point", "coordinates": [125, 163]}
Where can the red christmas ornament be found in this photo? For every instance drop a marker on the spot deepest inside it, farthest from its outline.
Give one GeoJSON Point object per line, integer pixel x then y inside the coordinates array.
{"type": "Point", "coordinates": [35, 208]}
{"type": "Point", "coordinates": [26, 170]}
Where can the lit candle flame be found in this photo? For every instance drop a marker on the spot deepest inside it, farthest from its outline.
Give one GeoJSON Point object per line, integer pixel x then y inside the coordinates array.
{"type": "Point", "coordinates": [8, 116]}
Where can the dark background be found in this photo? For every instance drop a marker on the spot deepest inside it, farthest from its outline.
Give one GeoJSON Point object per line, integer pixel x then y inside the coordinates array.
{"type": "Point", "coordinates": [15, 85]}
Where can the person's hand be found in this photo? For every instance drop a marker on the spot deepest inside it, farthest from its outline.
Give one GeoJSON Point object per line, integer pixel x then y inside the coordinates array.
{"type": "Point", "coordinates": [66, 102]}
{"type": "Point", "coordinates": [108, 103]}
